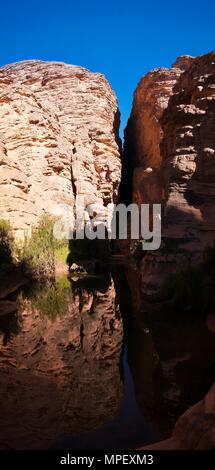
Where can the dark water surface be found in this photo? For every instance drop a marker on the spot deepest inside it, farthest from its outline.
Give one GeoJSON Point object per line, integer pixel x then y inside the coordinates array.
{"type": "Point", "coordinates": [79, 370]}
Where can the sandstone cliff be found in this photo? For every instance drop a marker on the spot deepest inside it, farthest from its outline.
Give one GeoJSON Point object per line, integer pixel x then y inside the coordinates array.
{"type": "Point", "coordinates": [58, 139]}
{"type": "Point", "coordinates": [188, 152]}
{"type": "Point", "coordinates": [144, 132]}
{"type": "Point", "coordinates": [170, 143]}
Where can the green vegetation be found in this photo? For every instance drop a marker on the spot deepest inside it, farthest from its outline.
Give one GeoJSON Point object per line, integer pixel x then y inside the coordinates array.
{"type": "Point", "coordinates": [53, 299]}
{"type": "Point", "coordinates": [192, 290]}
{"type": "Point", "coordinates": [38, 254]}
{"type": "Point", "coordinates": [42, 251]}
{"type": "Point", "coordinates": [61, 251]}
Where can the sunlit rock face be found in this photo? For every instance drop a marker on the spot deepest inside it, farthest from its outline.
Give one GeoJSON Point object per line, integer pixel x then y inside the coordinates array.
{"type": "Point", "coordinates": [187, 170]}
{"type": "Point", "coordinates": [60, 369]}
{"type": "Point", "coordinates": [170, 142]}
{"type": "Point", "coordinates": [144, 133]}
{"type": "Point", "coordinates": [58, 140]}
{"type": "Point", "coordinates": [188, 150]}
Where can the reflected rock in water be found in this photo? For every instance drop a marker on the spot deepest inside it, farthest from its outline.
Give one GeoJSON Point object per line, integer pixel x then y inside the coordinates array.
{"type": "Point", "coordinates": [60, 375]}
{"type": "Point", "coordinates": [172, 366]}
{"type": "Point", "coordinates": [171, 356]}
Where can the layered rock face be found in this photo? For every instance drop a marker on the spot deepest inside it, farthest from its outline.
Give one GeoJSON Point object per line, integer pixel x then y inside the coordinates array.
{"type": "Point", "coordinates": [58, 140]}
{"type": "Point", "coordinates": [60, 373]}
{"type": "Point", "coordinates": [171, 132]}
{"type": "Point", "coordinates": [144, 133]}
{"type": "Point", "coordinates": [188, 151]}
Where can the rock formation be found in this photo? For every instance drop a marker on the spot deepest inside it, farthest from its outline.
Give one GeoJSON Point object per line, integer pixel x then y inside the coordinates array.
{"type": "Point", "coordinates": [188, 151]}
{"type": "Point", "coordinates": [144, 133]}
{"type": "Point", "coordinates": [169, 153]}
{"type": "Point", "coordinates": [58, 140]}
{"type": "Point", "coordinates": [195, 429]}
{"type": "Point", "coordinates": [170, 142]}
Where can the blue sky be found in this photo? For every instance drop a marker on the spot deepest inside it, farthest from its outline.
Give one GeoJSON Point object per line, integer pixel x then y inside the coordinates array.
{"type": "Point", "coordinates": [122, 39]}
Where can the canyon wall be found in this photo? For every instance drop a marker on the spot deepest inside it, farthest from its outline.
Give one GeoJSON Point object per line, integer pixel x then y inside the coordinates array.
{"type": "Point", "coordinates": [188, 150]}
{"type": "Point", "coordinates": [143, 134]}
{"type": "Point", "coordinates": [170, 144]}
{"type": "Point", "coordinates": [58, 140]}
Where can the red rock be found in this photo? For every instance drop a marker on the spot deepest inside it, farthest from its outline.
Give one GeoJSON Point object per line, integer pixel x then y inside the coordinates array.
{"type": "Point", "coordinates": [170, 144]}
{"type": "Point", "coordinates": [188, 166]}
{"type": "Point", "coordinates": [144, 132]}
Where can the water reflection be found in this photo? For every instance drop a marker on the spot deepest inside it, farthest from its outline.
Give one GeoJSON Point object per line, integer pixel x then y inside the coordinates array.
{"type": "Point", "coordinates": [172, 368]}
{"type": "Point", "coordinates": [75, 374]}
{"type": "Point", "coordinates": [128, 430]}
{"type": "Point", "coordinates": [171, 357]}
{"type": "Point", "coordinates": [60, 370]}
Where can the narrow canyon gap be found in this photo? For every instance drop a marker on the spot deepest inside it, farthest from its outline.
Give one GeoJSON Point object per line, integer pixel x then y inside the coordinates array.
{"type": "Point", "coordinates": [109, 358]}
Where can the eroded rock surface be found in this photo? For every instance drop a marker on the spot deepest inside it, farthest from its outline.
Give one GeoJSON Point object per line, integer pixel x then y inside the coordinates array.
{"type": "Point", "coordinates": [188, 151]}
{"type": "Point", "coordinates": [144, 131]}
{"type": "Point", "coordinates": [170, 142]}
{"type": "Point", "coordinates": [58, 140]}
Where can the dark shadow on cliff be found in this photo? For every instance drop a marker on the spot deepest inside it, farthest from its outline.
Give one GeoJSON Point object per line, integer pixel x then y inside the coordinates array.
{"type": "Point", "coordinates": [141, 353]}
{"type": "Point", "coordinates": [191, 290]}
{"type": "Point", "coordinates": [89, 255]}
{"type": "Point", "coordinates": [171, 356]}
